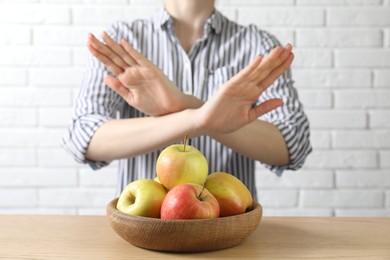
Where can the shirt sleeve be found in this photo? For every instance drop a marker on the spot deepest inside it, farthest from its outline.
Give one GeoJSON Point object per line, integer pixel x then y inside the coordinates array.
{"type": "Point", "coordinates": [94, 105]}
{"type": "Point", "coordinates": [290, 118]}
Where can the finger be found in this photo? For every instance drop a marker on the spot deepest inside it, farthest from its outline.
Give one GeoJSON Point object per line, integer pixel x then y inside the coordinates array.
{"type": "Point", "coordinates": [244, 73]}
{"type": "Point", "coordinates": [284, 55]}
{"type": "Point", "coordinates": [137, 56]}
{"type": "Point", "coordinates": [118, 49]}
{"type": "Point", "coordinates": [111, 66]}
{"type": "Point", "coordinates": [250, 68]}
{"type": "Point", "coordinates": [266, 107]}
{"type": "Point", "coordinates": [273, 60]}
{"type": "Point", "coordinates": [265, 83]}
{"type": "Point", "coordinates": [266, 63]}
{"type": "Point", "coordinates": [106, 51]}
{"type": "Point", "coordinates": [117, 86]}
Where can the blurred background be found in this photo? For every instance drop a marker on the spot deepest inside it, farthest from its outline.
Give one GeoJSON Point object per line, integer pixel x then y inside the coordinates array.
{"type": "Point", "coordinates": [341, 71]}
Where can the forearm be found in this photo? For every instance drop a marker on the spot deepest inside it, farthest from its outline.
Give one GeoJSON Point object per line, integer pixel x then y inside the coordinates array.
{"type": "Point", "coordinates": [259, 140]}
{"type": "Point", "coordinates": [123, 138]}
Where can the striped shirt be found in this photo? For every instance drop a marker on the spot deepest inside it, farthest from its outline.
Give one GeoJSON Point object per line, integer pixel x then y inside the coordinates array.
{"type": "Point", "coordinates": [224, 50]}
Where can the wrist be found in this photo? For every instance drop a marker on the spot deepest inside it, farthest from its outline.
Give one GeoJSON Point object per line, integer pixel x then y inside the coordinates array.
{"type": "Point", "coordinates": [195, 127]}
{"type": "Point", "coordinates": [191, 102]}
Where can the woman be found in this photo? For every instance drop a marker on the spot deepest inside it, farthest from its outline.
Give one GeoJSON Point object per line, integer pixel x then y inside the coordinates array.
{"type": "Point", "coordinates": [188, 70]}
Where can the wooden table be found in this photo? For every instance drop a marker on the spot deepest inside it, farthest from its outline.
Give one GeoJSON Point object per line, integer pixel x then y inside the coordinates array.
{"type": "Point", "coordinates": [91, 237]}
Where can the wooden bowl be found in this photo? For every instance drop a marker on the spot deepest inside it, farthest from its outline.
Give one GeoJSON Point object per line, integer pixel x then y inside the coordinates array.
{"type": "Point", "coordinates": [184, 235]}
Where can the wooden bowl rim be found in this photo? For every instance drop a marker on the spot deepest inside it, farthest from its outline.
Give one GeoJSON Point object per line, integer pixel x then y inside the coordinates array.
{"type": "Point", "coordinates": [111, 206]}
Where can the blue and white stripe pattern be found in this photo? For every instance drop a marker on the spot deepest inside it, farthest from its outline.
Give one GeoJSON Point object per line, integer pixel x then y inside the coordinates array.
{"type": "Point", "coordinates": [224, 50]}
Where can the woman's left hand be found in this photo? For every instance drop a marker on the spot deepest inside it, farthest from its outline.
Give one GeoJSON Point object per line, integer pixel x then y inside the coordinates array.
{"type": "Point", "coordinates": [232, 106]}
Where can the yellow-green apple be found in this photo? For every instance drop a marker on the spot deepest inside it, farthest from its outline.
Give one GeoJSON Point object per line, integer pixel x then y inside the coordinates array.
{"type": "Point", "coordinates": [179, 164]}
{"type": "Point", "coordinates": [156, 179]}
{"type": "Point", "coordinates": [189, 201]}
{"type": "Point", "coordinates": [142, 198]}
{"type": "Point", "coordinates": [232, 195]}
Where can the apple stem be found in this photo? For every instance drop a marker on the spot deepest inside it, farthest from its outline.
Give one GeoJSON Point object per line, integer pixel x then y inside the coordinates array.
{"type": "Point", "coordinates": [185, 142]}
{"type": "Point", "coordinates": [201, 191]}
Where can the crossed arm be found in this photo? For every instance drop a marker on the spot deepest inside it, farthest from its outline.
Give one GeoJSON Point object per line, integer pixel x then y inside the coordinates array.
{"type": "Point", "coordinates": [228, 116]}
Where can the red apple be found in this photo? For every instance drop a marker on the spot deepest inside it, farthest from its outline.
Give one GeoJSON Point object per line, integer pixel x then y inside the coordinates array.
{"type": "Point", "coordinates": [232, 195]}
{"type": "Point", "coordinates": [179, 164]}
{"type": "Point", "coordinates": [189, 201]}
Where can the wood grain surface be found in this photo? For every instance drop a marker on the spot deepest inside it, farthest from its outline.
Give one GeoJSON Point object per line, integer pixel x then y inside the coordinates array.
{"type": "Point", "coordinates": [91, 237]}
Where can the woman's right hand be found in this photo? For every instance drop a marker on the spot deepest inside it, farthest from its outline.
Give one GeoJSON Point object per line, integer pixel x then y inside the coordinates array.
{"type": "Point", "coordinates": [137, 80]}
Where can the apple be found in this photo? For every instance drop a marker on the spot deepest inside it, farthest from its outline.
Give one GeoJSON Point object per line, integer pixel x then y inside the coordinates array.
{"type": "Point", "coordinates": [232, 195]}
{"type": "Point", "coordinates": [179, 164]}
{"type": "Point", "coordinates": [156, 179]}
{"type": "Point", "coordinates": [142, 198]}
{"type": "Point", "coordinates": [189, 201]}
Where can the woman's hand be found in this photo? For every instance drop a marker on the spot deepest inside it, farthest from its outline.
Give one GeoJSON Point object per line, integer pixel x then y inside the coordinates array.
{"type": "Point", "coordinates": [137, 80]}
{"type": "Point", "coordinates": [232, 106]}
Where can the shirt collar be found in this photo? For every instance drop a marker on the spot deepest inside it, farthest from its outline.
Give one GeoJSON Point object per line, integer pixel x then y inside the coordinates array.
{"type": "Point", "coordinates": [162, 19]}
{"type": "Point", "coordinates": [215, 21]}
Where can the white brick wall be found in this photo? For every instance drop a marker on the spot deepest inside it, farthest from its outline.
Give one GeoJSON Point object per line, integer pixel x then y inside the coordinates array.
{"type": "Point", "coordinates": [341, 70]}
